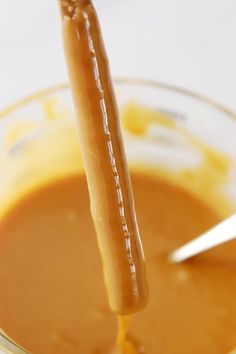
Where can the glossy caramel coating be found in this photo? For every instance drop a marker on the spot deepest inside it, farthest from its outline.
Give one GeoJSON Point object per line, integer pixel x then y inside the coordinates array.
{"type": "Point", "coordinates": [104, 158]}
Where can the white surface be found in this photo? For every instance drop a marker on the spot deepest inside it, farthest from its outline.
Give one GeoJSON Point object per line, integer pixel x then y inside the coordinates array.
{"type": "Point", "coordinates": [185, 42]}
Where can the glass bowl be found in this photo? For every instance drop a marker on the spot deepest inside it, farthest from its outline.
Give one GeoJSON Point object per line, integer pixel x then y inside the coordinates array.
{"type": "Point", "coordinates": [192, 142]}
{"type": "Point", "coordinates": [184, 137]}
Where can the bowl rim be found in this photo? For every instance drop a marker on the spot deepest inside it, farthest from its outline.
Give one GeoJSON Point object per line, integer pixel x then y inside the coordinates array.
{"type": "Point", "coordinates": [120, 80]}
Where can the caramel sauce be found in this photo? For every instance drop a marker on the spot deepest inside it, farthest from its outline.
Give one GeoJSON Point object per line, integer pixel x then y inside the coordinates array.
{"type": "Point", "coordinates": [52, 295]}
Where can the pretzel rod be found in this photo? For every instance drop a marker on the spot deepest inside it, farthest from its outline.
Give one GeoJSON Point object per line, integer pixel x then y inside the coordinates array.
{"type": "Point", "coordinates": [110, 190]}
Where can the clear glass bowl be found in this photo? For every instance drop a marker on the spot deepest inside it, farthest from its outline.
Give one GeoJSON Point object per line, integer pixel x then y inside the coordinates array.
{"type": "Point", "coordinates": [192, 142]}
{"type": "Point", "coordinates": [189, 139]}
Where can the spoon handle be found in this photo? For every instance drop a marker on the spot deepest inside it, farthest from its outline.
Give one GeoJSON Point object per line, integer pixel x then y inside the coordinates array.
{"type": "Point", "coordinates": [10, 347]}
{"type": "Point", "coordinates": [221, 233]}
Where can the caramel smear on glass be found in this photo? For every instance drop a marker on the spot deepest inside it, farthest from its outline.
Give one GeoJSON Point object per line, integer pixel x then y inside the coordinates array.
{"type": "Point", "coordinates": [110, 190]}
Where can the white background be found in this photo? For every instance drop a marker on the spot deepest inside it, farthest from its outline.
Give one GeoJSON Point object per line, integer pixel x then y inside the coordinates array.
{"type": "Point", "coordinates": [190, 43]}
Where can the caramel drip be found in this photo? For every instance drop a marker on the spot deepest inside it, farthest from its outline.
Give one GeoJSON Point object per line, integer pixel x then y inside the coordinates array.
{"type": "Point", "coordinates": [124, 345]}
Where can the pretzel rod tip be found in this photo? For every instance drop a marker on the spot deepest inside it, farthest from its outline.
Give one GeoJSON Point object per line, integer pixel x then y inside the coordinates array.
{"type": "Point", "coordinates": [69, 8]}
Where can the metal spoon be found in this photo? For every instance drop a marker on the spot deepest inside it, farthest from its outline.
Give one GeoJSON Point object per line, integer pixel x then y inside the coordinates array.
{"type": "Point", "coordinates": [9, 347]}
{"type": "Point", "coordinates": [219, 234]}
